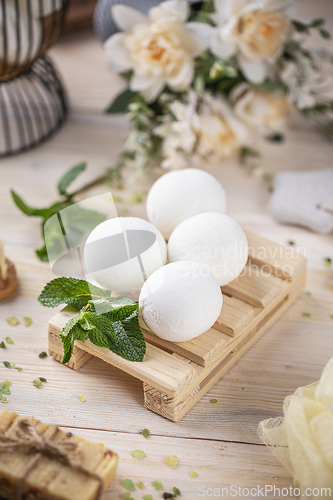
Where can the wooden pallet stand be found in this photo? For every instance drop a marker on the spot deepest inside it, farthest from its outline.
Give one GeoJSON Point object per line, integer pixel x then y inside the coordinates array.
{"type": "Point", "coordinates": [176, 376]}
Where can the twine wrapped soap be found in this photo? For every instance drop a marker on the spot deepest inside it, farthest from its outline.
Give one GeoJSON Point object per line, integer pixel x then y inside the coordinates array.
{"type": "Point", "coordinates": [41, 462]}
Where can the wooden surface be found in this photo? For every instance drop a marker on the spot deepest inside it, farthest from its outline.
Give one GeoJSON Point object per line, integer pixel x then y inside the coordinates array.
{"type": "Point", "coordinates": [219, 441]}
{"type": "Point", "coordinates": [179, 374]}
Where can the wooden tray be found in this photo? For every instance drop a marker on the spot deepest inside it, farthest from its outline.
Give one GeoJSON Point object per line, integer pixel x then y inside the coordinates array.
{"type": "Point", "coordinates": [175, 376]}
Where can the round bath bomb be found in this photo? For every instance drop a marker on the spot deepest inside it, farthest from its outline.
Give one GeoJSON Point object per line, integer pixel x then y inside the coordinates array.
{"type": "Point", "coordinates": [121, 253]}
{"type": "Point", "coordinates": [180, 301]}
{"type": "Point", "coordinates": [212, 240]}
{"type": "Point", "coordinates": [178, 195]}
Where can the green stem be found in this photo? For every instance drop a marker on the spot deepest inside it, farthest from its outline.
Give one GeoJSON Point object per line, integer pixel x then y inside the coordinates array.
{"type": "Point", "coordinates": [115, 171]}
{"type": "Point", "coordinates": [99, 180]}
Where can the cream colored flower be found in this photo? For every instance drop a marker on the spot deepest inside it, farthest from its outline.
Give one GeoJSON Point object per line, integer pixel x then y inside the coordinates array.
{"type": "Point", "coordinates": [160, 48]}
{"type": "Point", "coordinates": [254, 31]}
{"type": "Point", "coordinates": [205, 127]}
{"type": "Point", "coordinates": [264, 111]}
{"type": "Point", "coordinates": [220, 136]}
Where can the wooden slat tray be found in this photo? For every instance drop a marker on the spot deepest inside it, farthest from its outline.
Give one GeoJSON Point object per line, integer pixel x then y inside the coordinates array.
{"type": "Point", "coordinates": [177, 375]}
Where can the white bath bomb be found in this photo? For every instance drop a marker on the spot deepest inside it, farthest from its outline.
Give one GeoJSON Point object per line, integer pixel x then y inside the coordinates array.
{"type": "Point", "coordinates": [212, 240]}
{"type": "Point", "coordinates": [121, 253]}
{"type": "Point", "coordinates": [180, 301]}
{"type": "Point", "coordinates": [178, 195]}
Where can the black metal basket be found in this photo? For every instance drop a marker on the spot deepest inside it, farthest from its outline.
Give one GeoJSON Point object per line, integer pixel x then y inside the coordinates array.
{"type": "Point", "coordinates": [32, 99]}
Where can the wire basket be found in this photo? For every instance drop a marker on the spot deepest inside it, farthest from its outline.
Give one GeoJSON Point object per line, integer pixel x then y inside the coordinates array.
{"type": "Point", "coordinates": [32, 99]}
{"type": "Point", "coordinates": [32, 107]}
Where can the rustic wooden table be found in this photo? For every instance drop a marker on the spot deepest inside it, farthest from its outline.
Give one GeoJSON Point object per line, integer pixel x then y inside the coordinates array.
{"type": "Point", "coordinates": [217, 441]}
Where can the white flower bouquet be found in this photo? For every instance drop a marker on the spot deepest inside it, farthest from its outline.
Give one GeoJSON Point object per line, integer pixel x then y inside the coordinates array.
{"type": "Point", "coordinates": [206, 78]}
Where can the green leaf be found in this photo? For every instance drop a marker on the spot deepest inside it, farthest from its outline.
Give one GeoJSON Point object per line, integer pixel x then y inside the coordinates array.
{"type": "Point", "coordinates": [42, 254]}
{"type": "Point", "coordinates": [102, 306]}
{"type": "Point", "coordinates": [121, 102]}
{"type": "Point", "coordinates": [131, 343]}
{"type": "Point", "coordinates": [69, 177]}
{"type": "Point", "coordinates": [72, 331]}
{"type": "Point", "coordinates": [71, 291]}
{"type": "Point", "coordinates": [275, 137]}
{"type": "Point", "coordinates": [77, 223]}
{"type": "Point", "coordinates": [316, 23]}
{"type": "Point", "coordinates": [269, 86]}
{"type": "Point", "coordinates": [247, 152]}
{"type": "Point", "coordinates": [122, 313]}
{"type": "Point", "coordinates": [117, 330]}
{"type": "Point", "coordinates": [300, 27]}
{"type": "Point", "coordinates": [325, 34]}
{"type": "Point", "coordinates": [32, 212]}
{"type": "Point", "coordinates": [101, 331]}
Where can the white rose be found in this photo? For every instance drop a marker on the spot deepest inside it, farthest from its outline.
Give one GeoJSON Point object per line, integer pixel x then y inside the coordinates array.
{"type": "Point", "coordinates": [205, 127]}
{"type": "Point", "coordinates": [220, 135]}
{"type": "Point", "coordinates": [160, 48]}
{"type": "Point", "coordinates": [265, 111]}
{"type": "Point", "coordinates": [254, 31]}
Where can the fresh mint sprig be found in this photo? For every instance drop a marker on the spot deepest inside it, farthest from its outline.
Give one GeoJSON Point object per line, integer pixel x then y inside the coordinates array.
{"type": "Point", "coordinates": [71, 291]}
{"type": "Point", "coordinates": [110, 324]}
{"type": "Point", "coordinates": [82, 221]}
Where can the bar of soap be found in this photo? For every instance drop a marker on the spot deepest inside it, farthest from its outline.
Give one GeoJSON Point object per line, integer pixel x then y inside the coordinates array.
{"type": "Point", "coordinates": [180, 301]}
{"type": "Point", "coordinates": [213, 240]}
{"type": "Point", "coordinates": [178, 195]}
{"type": "Point", "coordinates": [49, 479]}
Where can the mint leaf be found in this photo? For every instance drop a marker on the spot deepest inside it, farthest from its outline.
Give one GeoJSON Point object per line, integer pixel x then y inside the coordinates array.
{"type": "Point", "coordinates": [72, 331]}
{"type": "Point", "coordinates": [77, 223]}
{"type": "Point", "coordinates": [101, 331]}
{"type": "Point", "coordinates": [102, 306]}
{"type": "Point", "coordinates": [42, 254]}
{"type": "Point", "coordinates": [42, 212]}
{"type": "Point", "coordinates": [69, 177]}
{"type": "Point", "coordinates": [121, 102]}
{"type": "Point", "coordinates": [116, 329]}
{"type": "Point", "coordinates": [131, 343]}
{"type": "Point", "coordinates": [122, 313]}
{"type": "Point", "coordinates": [122, 300]}
{"type": "Point", "coordinates": [70, 291]}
